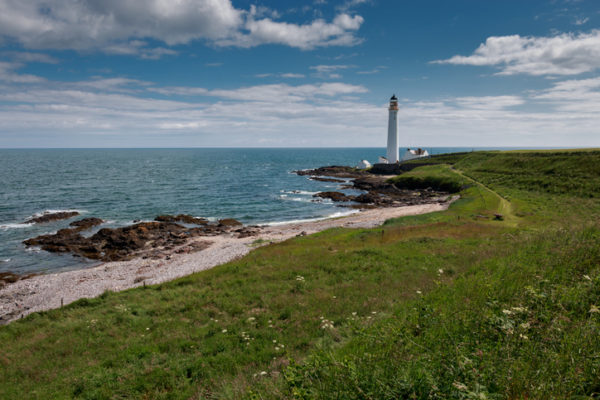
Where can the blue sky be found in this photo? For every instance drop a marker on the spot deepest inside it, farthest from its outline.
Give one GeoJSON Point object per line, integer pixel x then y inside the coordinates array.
{"type": "Point", "coordinates": [195, 73]}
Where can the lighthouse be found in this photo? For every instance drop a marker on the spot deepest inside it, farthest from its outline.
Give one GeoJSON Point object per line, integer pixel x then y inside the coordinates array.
{"type": "Point", "coordinates": [392, 142]}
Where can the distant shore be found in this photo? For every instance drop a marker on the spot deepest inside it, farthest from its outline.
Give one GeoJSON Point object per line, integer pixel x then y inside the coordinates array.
{"type": "Point", "coordinates": [45, 292]}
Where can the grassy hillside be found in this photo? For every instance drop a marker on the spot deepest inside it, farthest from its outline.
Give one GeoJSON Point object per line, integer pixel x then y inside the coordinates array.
{"type": "Point", "coordinates": [456, 304]}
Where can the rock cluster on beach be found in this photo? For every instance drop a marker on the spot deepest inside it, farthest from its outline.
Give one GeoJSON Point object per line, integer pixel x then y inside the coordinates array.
{"type": "Point", "coordinates": [145, 239]}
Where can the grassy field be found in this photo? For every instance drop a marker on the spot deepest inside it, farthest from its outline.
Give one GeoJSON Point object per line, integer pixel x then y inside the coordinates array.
{"type": "Point", "coordinates": [455, 304]}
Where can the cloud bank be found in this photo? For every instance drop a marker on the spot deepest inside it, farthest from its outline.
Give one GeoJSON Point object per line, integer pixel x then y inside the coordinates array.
{"type": "Point", "coordinates": [564, 54]}
{"type": "Point", "coordinates": [125, 27]}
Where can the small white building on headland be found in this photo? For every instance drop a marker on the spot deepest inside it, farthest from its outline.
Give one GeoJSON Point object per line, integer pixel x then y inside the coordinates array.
{"type": "Point", "coordinates": [393, 153]}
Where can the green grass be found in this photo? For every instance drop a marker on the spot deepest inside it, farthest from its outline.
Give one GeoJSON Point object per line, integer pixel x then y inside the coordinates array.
{"type": "Point", "coordinates": [452, 304]}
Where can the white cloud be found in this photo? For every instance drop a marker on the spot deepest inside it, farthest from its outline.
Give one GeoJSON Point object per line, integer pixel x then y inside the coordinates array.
{"type": "Point", "coordinates": [287, 75]}
{"type": "Point", "coordinates": [581, 21]}
{"type": "Point", "coordinates": [139, 113]}
{"type": "Point", "coordinates": [27, 57]}
{"type": "Point", "coordinates": [124, 27]}
{"type": "Point", "coordinates": [8, 74]}
{"type": "Point", "coordinates": [292, 75]}
{"type": "Point", "coordinates": [565, 54]}
{"type": "Point", "coordinates": [318, 33]}
{"type": "Point", "coordinates": [328, 71]}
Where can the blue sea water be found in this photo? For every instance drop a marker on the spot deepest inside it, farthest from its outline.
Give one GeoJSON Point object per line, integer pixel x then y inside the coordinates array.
{"type": "Point", "coordinates": [255, 186]}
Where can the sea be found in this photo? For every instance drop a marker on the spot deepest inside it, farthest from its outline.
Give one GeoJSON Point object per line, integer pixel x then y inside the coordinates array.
{"type": "Point", "coordinates": [254, 185]}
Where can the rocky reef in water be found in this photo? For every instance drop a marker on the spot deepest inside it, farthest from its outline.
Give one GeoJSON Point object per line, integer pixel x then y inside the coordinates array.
{"type": "Point", "coordinates": [144, 239]}
{"type": "Point", "coordinates": [378, 191]}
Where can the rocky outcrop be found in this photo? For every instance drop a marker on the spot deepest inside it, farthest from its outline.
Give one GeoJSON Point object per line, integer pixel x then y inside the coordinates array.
{"type": "Point", "coordinates": [185, 218]}
{"type": "Point", "coordinates": [50, 217]}
{"type": "Point", "coordinates": [86, 223]}
{"type": "Point", "coordinates": [319, 179]}
{"type": "Point", "coordinates": [11, 277]}
{"type": "Point", "coordinates": [229, 222]}
{"type": "Point", "coordinates": [334, 196]}
{"type": "Point", "coordinates": [141, 239]}
{"type": "Point", "coordinates": [333, 170]}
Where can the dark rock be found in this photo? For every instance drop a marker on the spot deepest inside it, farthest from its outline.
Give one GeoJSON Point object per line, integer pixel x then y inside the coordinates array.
{"type": "Point", "coordinates": [333, 170]}
{"type": "Point", "coordinates": [229, 222]}
{"type": "Point", "coordinates": [50, 217]}
{"type": "Point", "coordinates": [334, 196]}
{"type": "Point", "coordinates": [368, 198]}
{"type": "Point", "coordinates": [86, 223]}
{"type": "Point", "coordinates": [498, 217]}
{"type": "Point", "coordinates": [11, 277]}
{"type": "Point", "coordinates": [185, 218]}
{"type": "Point", "coordinates": [316, 178]}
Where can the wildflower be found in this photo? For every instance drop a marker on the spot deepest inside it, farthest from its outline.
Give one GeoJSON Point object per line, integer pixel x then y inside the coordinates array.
{"type": "Point", "coordinates": [354, 314]}
{"type": "Point", "coordinates": [519, 309]}
{"type": "Point", "coordinates": [224, 331]}
{"type": "Point", "coordinates": [335, 297]}
{"type": "Point", "coordinates": [251, 319]}
{"type": "Point", "coordinates": [459, 386]}
{"type": "Point", "coordinates": [587, 277]}
{"type": "Point", "coordinates": [440, 271]}
{"type": "Point", "coordinates": [419, 292]}
{"type": "Point", "coordinates": [507, 312]}
{"type": "Point", "coordinates": [594, 309]}
{"type": "Point", "coordinates": [274, 341]}
{"type": "Point", "coordinates": [263, 373]}
{"type": "Point", "coordinates": [147, 329]}
{"type": "Point", "coordinates": [300, 278]}
{"type": "Point", "coordinates": [525, 325]}
{"type": "Point", "coordinates": [524, 337]}
{"type": "Point", "coordinates": [326, 324]}
{"type": "Point", "coordinates": [373, 312]}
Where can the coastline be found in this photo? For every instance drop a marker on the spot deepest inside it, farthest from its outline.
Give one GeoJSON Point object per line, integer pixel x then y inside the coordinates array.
{"type": "Point", "coordinates": [50, 291]}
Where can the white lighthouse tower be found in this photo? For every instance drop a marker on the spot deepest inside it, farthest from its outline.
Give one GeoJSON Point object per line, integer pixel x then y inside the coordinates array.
{"type": "Point", "coordinates": [392, 142]}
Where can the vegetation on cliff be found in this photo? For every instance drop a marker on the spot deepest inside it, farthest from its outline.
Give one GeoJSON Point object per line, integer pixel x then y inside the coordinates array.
{"type": "Point", "coordinates": [456, 304]}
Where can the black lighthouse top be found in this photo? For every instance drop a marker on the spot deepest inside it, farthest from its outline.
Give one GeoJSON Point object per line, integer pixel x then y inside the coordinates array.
{"type": "Point", "coordinates": [394, 97]}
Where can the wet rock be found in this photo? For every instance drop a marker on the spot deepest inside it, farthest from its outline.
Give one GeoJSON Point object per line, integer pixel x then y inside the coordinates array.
{"type": "Point", "coordinates": [319, 179]}
{"type": "Point", "coordinates": [333, 170]}
{"type": "Point", "coordinates": [86, 223]}
{"type": "Point", "coordinates": [185, 218]}
{"type": "Point", "coordinates": [50, 217]}
{"type": "Point", "coordinates": [334, 196]}
{"type": "Point", "coordinates": [229, 222]}
{"type": "Point", "coordinates": [368, 198]}
{"type": "Point", "coordinates": [11, 277]}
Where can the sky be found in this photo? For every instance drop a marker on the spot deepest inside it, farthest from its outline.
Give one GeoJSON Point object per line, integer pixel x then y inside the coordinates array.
{"type": "Point", "coordinates": [279, 73]}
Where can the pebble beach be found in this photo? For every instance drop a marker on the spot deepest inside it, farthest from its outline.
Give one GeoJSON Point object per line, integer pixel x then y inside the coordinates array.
{"type": "Point", "coordinates": [49, 291]}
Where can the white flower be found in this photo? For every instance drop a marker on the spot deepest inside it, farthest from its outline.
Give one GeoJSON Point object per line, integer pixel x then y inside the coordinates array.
{"type": "Point", "coordinates": [224, 331]}
{"type": "Point", "coordinates": [440, 271]}
{"type": "Point", "coordinates": [594, 309]}
{"type": "Point", "coordinates": [263, 373]}
{"type": "Point", "coordinates": [507, 312]}
{"type": "Point", "coordinates": [419, 292]}
{"type": "Point", "coordinates": [587, 277]}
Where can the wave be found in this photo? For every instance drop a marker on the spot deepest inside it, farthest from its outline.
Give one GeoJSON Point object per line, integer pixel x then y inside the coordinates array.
{"type": "Point", "coordinates": [303, 199]}
{"type": "Point", "coordinates": [14, 226]}
{"type": "Point", "coordinates": [299, 221]}
{"type": "Point", "coordinates": [6, 260]}
{"type": "Point", "coordinates": [301, 192]}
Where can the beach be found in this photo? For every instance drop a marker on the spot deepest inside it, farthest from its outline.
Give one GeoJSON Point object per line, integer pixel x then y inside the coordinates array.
{"type": "Point", "coordinates": [49, 291]}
